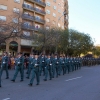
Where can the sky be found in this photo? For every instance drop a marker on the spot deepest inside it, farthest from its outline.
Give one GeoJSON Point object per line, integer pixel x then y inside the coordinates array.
{"type": "Point", "coordinates": [84, 16]}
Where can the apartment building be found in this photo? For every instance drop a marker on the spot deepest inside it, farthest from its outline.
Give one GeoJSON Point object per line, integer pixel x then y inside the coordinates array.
{"type": "Point", "coordinates": [35, 14]}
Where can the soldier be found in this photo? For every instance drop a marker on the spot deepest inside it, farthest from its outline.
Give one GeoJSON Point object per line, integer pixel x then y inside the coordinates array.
{"type": "Point", "coordinates": [75, 63]}
{"type": "Point", "coordinates": [67, 64]}
{"type": "Point", "coordinates": [42, 64]}
{"type": "Point", "coordinates": [19, 67]}
{"type": "Point", "coordinates": [48, 68]}
{"type": "Point", "coordinates": [30, 66]}
{"type": "Point", "coordinates": [62, 64]}
{"type": "Point", "coordinates": [0, 79]}
{"type": "Point", "coordinates": [4, 65]}
{"type": "Point", "coordinates": [80, 62]}
{"type": "Point", "coordinates": [55, 65]}
{"type": "Point", "coordinates": [35, 71]}
{"type": "Point", "coordinates": [27, 63]}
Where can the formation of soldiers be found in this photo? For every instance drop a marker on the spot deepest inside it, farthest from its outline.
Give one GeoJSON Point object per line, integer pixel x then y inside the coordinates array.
{"type": "Point", "coordinates": [50, 66]}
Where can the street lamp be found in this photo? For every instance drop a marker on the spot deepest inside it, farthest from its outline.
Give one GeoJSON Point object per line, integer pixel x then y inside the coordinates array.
{"type": "Point", "coordinates": [61, 17]}
{"type": "Point", "coordinates": [57, 24]}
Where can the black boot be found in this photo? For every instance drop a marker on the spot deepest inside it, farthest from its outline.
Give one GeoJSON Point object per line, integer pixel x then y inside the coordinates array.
{"type": "Point", "coordinates": [45, 79]}
{"type": "Point", "coordinates": [30, 84]}
{"type": "Point", "coordinates": [13, 80]}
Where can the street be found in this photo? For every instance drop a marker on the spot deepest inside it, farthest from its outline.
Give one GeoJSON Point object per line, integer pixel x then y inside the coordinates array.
{"type": "Point", "coordinates": [83, 84]}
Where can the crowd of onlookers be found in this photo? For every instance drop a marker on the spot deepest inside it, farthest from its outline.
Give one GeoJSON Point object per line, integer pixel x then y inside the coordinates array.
{"type": "Point", "coordinates": [11, 62]}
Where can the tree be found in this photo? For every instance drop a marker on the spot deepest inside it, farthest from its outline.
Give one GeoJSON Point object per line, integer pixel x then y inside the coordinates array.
{"type": "Point", "coordinates": [13, 28]}
{"type": "Point", "coordinates": [47, 40]}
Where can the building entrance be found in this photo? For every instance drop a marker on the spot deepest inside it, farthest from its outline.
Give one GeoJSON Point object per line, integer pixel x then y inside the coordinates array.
{"type": "Point", "coordinates": [13, 48]}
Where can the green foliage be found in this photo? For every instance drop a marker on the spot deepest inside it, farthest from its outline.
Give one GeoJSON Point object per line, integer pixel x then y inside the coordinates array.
{"type": "Point", "coordinates": [69, 41]}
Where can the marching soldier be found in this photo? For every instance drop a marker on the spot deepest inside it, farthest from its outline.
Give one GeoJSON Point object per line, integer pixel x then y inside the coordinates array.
{"type": "Point", "coordinates": [75, 64]}
{"type": "Point", "coordinates": [55, 65]}
{"type": "Point", "coordinates": [30, 66]}
{"type": "Point", "coordinates": [62, 64]}
{"type": "Point", "coordinates": [0, 79]}
{"type": "Point", "coordinates": [42, 64]}
{"type": "Point", "coordinates": [80, 63]}
{"type": "Point", "coordinates": [48, 68]}
{"type": "Point", "coordinates": [4, 65]}
{"type": "Point", "coordinates": [19, 67]}
{"type": "Point", "coordinates": [67, 64]}
{"type": "Point", "coordinates": [35, 71]}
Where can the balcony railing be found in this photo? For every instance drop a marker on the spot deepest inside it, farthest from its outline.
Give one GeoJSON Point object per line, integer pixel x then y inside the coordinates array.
{"type": "Point", "coordinates": [28, 27]}
{"type": "Point", "coordinates": [34, 9]}
{"type": "Point", "coordinates": [39, 2]}
{"type": "Point", "coordinates": [39, 20]}
{"type": "Point", "coordinates": [26, 16]}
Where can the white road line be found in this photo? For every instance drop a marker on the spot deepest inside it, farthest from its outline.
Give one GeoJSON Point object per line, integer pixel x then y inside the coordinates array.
{"type": "Point", "coordinates": [74, 78]}
{"type": "Point", "coordinates": [6, 99]}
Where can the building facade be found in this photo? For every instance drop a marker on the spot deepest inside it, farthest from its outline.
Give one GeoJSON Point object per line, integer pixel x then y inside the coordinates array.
{"type": "Point", "coordinates": [35, 14]}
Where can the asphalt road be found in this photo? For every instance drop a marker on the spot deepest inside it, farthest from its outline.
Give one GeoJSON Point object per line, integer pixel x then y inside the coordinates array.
{"type": "Point", "coordinates": [82, 84]}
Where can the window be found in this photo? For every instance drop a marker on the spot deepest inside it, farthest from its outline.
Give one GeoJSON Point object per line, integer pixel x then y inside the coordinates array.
{"type": "Point", "coordinates": [3, 18]}
{"type": "Point", "coordinates": [58, 3]}
{"type": "Point", "coordinates": [26, 33]}
{"type": "Point", "coordinates": [54, 14]}
{"type": "Point", "coordinates": [54, 0]}
{"type": "Point", "coordinates": [47, 27]}
{"type": "Point", "coordinates": [54, 7]}
{"type": "Point", "coordinates": [15, 20]}
{"type": "Point", "coordinates": [15, 30]}
{"type": "Point", "coordinates": [27, 23]}
{"type": "Point", "coordinates": [3, 29]}
{"type": "Point", "coordinates": [2, 7]}
{"type": "Point", "coordinates": [66, 17]}
{"type": "Point", "coordinates": [48, 11]}
{"type": "Point", "coordinates": [47, 20]}
{"type": "Point", "coordinates": [63, 20]}
{"type": "Point", "coordinates": [18, 1]}
{"type": "Point", "coordinates": [62, 27]}
{"type": "Point", "coordinates": [16, 10]}
{"type": "Point", "coordinates": [54, 22]}
{"type": "Point", "coordinates": [58, 25]}
{"type": "Point", "coordinates": [48, 3]}
{"type": "Point", "coordinates": [59, 10]}
{"type": "Point", "coordinates": [37, 17]}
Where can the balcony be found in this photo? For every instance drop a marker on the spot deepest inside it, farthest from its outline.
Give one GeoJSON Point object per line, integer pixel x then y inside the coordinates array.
{"type": "Point", "coordinates": [25, 6]}
{"type": "Point", "coordinates": [29, 17]}
{"type": "Point", "coordinates": [28, 27]}
{"type": "Point", "coordinates": [39, 20]}
{"type": "Point", "coordinates": [39, 2]}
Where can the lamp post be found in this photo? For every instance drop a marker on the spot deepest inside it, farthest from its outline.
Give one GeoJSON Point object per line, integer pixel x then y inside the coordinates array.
{"type": "Point", "coordinates": [57, 23]}
{"type": "Point", "coordinates": [61, 17]}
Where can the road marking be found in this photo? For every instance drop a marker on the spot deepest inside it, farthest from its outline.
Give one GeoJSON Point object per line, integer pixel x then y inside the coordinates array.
{"type": "Point", "coordinates": [6, 99]}
{"type": "Point", "coordinates": [74, 78]}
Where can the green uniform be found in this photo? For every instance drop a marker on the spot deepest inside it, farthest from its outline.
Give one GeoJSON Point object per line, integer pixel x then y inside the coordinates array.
{"type": "Point", "coordinates": [19, 68]}
{"type": "Point", "coordinates": [31, 59]}
{"type": "Point", "coordinates": [80, 63]}
{"type": "Point", "coordinates": [4, 66]}
{"type": "Point", "coordinates": [35, 71]}
{"type": "Point", "coordinates": [48, 69]}
{"type": "Point", "coordinates": [0, 79]}
{"type": "Point", "coordinates": [62, 64]}
{"type": "Point", "coordinates": [55, 63]}
{"type": "Point", "coordinates": [67, 65]}
{"type": "Point", "coordinates": [72, 64]}
{"type": "Point", "coordinates": [42, 64]}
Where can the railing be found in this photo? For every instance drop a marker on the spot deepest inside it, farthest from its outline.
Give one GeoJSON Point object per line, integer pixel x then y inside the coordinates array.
{"type": "Point", "coordinates": [39, 20]}
{"type": "Point", "coordinates": [40, 2]}
{"type": "Point", "coordinates": [29, 27]}
{"type": "Point", "coordinates": [33, 8]}
{"type": "Point", "coordinates": [26, 16]}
